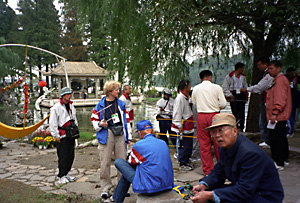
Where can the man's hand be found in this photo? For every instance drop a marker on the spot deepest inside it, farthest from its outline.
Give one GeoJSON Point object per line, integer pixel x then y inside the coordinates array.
{"type": "Point", "coordinates": [103, 124]}
{"type": "Point", "coordinates": [202, 197]}
{"type": "Point", "coordinates": [198, 188]}
{"type": "Point", "coordinates": [231, 98]}
{"type": "Point", "coordinates": [58, 139]}
{"type": "Point", "coordinates": [243, 90]}
{"type": "Point", "coordinates": [273, 119]}
{"type": "Point", "coordinates": [180, 130]}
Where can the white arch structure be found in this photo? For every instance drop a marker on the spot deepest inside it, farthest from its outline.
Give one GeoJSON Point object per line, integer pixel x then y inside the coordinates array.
{"type": "Point", "coordinates": [44, 50]}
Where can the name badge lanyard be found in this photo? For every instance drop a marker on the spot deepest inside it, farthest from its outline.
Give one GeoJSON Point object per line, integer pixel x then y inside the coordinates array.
{"type": "Point", "coordinates": [114, 116]}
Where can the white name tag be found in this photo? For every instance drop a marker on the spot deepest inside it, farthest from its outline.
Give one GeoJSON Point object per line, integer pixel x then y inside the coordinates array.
{"type": "Point", "coordinates": [115, 118]}
{"type": "Point", "coordinates": [238, 91]}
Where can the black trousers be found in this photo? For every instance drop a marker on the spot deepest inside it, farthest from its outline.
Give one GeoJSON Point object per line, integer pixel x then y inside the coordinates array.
{"type": "Point", "coordinates": [65, 153]}
{"type": "Point", "coordinates": [164, 126]}
{"type": "Point", "coordinates": [238, 110]}
{"type": "Point", "coordinates": [279, 143]}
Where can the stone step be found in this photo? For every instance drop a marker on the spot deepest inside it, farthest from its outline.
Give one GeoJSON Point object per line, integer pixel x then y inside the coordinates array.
{"type": "Point", "coordinates": [165, 197]}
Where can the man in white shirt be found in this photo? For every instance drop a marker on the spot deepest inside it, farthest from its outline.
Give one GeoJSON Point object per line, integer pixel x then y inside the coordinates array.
{"type": "Point", "coordinates": [209, 100]}
{"type": "Point", "coordinates": [164, 110]}
{"type": "Point", "coordinates": [182, 124]}
{"type": "Point", "coordinates": [232, 85]}
{"type": "Point", "coordinates": [125, 97]}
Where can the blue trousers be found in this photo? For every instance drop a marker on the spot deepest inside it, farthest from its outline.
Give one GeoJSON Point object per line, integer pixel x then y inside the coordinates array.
{"type": "Point", "coordinates": [263, 122]}
{"type": "Point", "coordinates": [128, 173]}
{"type": "Point", "coordinates": [184, 148]}
{"type": "Point", "coordinates": [291, 121]}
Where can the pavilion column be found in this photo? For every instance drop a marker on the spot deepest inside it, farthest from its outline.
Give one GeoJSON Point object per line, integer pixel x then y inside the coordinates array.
{"type": "Point", "coordinates": [96, 87]}
{"type": "Point", "coordinates": [70, 80]}
{"type": "Point", "coordinates": [52, 82]}
{"type": "Point", "coordinates": [87, 87]}
{"type": "Point", "coordinates": [59, 85]}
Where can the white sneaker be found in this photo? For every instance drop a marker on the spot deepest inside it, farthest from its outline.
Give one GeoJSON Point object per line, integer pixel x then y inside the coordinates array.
{"type": "Point", "coordinates": [63, 180]}
{"type": "Point", "coordinates": [286, 163]}
{"type": "Point", "coordinates": [175, 155]}
{"type": "Point", "coordinates": [70, 178]}
{"type": "Point", "coordinates": [290, 135]}
{"type": "Point", "coordinates": [279, 168]}
{"type": "Point", "coordinates": [263, 144]}
{"type": "Point", "coordinates": [194, 160]}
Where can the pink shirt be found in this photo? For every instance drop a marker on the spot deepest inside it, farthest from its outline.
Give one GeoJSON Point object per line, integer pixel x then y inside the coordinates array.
{"type": "Point", "coordinates": [279, 99]}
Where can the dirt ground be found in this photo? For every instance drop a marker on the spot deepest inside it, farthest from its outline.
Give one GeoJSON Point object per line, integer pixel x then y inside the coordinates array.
{"type": "Point", "coordinates": [87, 158]}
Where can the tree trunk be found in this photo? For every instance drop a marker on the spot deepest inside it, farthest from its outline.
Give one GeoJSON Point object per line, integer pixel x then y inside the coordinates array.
{"type": "Point", "coordinates": [40, 73]}
{"type": "Point", "coordinates": [47, 77]}
{"type": "Point", "coordinates": [253, 108]}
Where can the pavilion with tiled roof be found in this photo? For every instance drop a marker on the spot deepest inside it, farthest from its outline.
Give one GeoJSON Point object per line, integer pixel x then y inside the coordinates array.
{"type": "Point", "coordinates": [78, 72]}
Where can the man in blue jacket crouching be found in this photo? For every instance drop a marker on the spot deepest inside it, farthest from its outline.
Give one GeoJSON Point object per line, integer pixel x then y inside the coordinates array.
{"type": "Point", "coordinates": [149, 167]}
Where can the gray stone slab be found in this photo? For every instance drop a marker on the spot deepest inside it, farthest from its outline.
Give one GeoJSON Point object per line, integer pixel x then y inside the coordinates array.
{"type": "Point", "coordinates": [33, 166]}
{"type": "Point", "coordinates": [73, 172]}
{"type": "Point", "coordinates": [51, 179]}
{"type": "Point", "coordinates": [37, 178]}
{"type": "Point", "coordinates": [19, 171]}
{"type": "Point", "coordinates": [83, 188]}
{"type": "Point", "coordinates": [4, 165]}
{"type": "Point", "coordinates": [94, 178]}
{"type": "Point", "coordinates": [46, 188]}
{"type": "Point", "coordinates": [166, 197]}
{"type": "Point", "coordinates": [16, 176]}
{"type": "Point", "coordinates": [5, 175]}
{"type": "Point", "coordinates": [12, 168]}
{"type": "Point", "coordinates": [188, 177]}
{"type": "Point", "coordinates": [26, 176]}
{"type": "Point", "coordinates": [32, 171]}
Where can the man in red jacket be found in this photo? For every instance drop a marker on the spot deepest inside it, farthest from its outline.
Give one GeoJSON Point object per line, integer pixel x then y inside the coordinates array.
{"type": "Point", "coordinates": [278, 108]}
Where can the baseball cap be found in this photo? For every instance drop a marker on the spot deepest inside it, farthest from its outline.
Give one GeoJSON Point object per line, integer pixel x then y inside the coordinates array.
{"type": "Point", "coordinates": [168, 92]}
{"type": "Point", "coordinates": [65, 90]}
{"type": "Point", "coordinates": [222, 119]}
{"type": "Point", "coordinates": [143, 125]}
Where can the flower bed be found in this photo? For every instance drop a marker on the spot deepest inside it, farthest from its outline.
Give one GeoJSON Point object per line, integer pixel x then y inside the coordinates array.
{"type": "Point", "coordinates": [43, 138]}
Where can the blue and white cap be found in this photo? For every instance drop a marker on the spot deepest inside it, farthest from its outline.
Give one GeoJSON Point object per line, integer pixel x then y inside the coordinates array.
{"type": "Point", "coordinates": [143, 125]}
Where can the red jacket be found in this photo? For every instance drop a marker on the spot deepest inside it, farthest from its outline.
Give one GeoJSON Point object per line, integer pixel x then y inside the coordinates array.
{"type": "Point", "coordinates": [279, 99]}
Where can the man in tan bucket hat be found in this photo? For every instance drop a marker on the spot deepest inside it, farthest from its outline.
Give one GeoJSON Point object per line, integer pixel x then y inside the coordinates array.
{"type": "Point", "coordinates": [252, 173]}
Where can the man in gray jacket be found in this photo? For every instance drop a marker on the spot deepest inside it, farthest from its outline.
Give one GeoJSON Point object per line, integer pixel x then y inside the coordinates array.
{"type": "Point", "coordinates": [261, 88]}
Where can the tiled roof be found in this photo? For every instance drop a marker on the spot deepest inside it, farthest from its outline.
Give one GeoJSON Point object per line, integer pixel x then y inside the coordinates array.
{"type": "Point", "coordinates": [75, 68]}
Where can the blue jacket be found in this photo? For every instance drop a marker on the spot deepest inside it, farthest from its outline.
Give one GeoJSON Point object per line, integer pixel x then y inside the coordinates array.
{"type": "Point", "coordinates": [251, 171]}
{"type": "Point", "coordinates": [154, 169]}
{"type": "Point", "coordinates": [96, 117]}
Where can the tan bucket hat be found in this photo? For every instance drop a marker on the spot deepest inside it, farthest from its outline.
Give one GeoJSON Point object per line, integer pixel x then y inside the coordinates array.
{"type": "Point", "coordinates": [222, 119]}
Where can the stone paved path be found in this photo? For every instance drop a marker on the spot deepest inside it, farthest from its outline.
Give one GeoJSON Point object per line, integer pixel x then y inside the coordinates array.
{"type": "Point", "coordinates": [86, 185]}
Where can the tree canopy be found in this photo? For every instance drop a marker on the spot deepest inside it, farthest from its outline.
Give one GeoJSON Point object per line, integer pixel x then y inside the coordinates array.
{"type": "Point", "coordinates": [146, 37]}
{"type": "Point", "coordinates": [71, 40]}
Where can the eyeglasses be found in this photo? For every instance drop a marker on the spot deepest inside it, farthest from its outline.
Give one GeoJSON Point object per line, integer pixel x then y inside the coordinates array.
{"type": "Point", "coordinates": [220, 131]}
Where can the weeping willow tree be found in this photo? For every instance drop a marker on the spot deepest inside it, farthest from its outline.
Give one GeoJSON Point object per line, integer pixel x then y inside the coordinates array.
{"type": "Point", "coordinates": [147, 37]}
{"type": "Point", "coordinates": [119, 37]}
